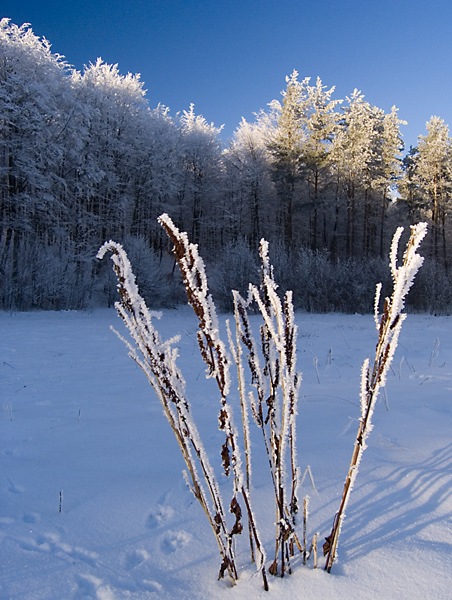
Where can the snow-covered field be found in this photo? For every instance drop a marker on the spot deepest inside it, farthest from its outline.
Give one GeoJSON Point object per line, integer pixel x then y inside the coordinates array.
{"type": "Point", "coordinates": [93, 503]}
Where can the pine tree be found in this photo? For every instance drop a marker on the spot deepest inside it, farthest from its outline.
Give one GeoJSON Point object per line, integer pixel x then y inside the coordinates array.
{"type": "Point", "coordinates": [320, 122]}
{"type": "Point", "coordinates": [285, 146]}
{"type": "Point", "coordinates": [388, 165]}
{"type": "Point", "coordinates": [431, 174]}
{"type": "Point", "coordinates": [350, 155]}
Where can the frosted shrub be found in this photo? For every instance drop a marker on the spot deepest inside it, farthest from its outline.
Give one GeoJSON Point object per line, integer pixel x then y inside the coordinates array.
{"type": "Point", "coordinates": [325, 285]}
{"type": "Point", "coordinates": [236, 268]}
{"type": "Point", "coordinates": [353, 289]}
{"type": "Point", "coordinates": [432, 290]}
{"type": "Point", "coordinates": [317, 280]}
{"type": "Point", "coordinates": [151, 274]}
{"type": "Point", "coordinates": [270, 400]}
{"type": "Point", "coordinates": [284, 261]}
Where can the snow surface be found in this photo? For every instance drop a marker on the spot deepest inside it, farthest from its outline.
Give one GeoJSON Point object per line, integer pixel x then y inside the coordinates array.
{"type": "Point", "coordinates": [93, 503]}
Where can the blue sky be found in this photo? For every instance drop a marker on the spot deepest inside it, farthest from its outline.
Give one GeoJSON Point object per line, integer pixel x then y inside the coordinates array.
{"type": "Point", "coordinates": [230, 57]}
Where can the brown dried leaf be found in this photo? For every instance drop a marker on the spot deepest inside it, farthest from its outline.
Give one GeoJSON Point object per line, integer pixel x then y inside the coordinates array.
{"type": "Point", "coordinates": [223, 419]}
{"type": "Point", "coordinates": [327, 545]}
{"type": "Point", "coordinates": [226, 458]}
{"type": "Point", "coordinates": [273, 569]}
{"type": "Point", "coordinates": [223, 568]}
{"type": "Point", "coordinates": [218, 520]}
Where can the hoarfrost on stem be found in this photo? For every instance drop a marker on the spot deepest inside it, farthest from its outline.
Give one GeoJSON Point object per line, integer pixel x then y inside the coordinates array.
{"type": "Point", "coordinates": [158, 360]}
{"type": "Point", "coordinates": [389, 326]}
{"type": "Point", "coordinates": [213, 353]}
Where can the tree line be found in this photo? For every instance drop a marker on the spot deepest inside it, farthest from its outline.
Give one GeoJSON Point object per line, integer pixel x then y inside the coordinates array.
{"type": "Point", "coordinates": [84, 158]}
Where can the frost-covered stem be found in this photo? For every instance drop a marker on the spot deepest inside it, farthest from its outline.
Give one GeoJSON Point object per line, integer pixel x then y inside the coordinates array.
{"type": "Point", "coordinates": [388, 327]}
{"type": "Point", "coordinates": [213, 353]}
{"type": "Point", "coordinates": [237, 354]}
{"type": "Point", "coordinates": [276, 385]}
{"type": "Point", "coordinates": [314, 550]}
{"type": "Point", "coordinates": [236, 350]}
{"type": "Point", "coordinates": [255, 534]}
{"type": "Point", "coordinates": [158, 361]}
{"type": "Point", "coordinates": [257, 375]}
{"type": "Point", "coordinates": [294, 381]}
{"type": "Point", "coordinates": [305, 528]}
{"type": "Point", "coordinates": [281, 331]}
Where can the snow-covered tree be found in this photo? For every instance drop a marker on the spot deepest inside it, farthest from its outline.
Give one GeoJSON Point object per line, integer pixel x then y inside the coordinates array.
{"type": "Point", "coordinates": [320, 123]}
{"type": "Point", "coordinates": [157, 175]}
{"type": "Point", "coordinates": [351, 153]}
{"type": "Point", "coordinates": [200, 154]}
{"type": "Point", "coordinates": [251, 188]}
{"type": "Point", "coordinates": [386, 167]}
{"type": "Point", "coordinates": [285, 146]}
{"type": "Point", "coordinates": [365, 159]}
{"type": "Point", "coordinates": [430, 181]}
{"type": "Point", "coordinates": [33, 116]}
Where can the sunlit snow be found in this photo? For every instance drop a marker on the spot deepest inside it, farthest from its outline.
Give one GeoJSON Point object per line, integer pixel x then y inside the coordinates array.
{"type": "Point", "coordinates": [94, 505]}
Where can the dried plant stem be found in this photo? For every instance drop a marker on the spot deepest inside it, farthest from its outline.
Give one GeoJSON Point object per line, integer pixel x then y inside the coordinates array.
{"type": "Point", "coordinates": [214, 355]}
{"type": "Point", "coordinates": [388, 327]}
{"type": "Point", "coordinates": [305, 528]}
{"type": "Point", "coordinates": [276, 385]}
{"type": "Point", "coordinates": [272, 400]}
{"type": "Point", "coordinates": [157, 359]}
{"type": "Point", "coordinates": [236, 350]}
{"type": "Point", "coordinates": [314, 550]}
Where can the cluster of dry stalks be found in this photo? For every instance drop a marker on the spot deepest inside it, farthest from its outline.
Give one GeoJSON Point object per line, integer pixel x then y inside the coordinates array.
{"type": "Point", "coordinates": [271, 397]}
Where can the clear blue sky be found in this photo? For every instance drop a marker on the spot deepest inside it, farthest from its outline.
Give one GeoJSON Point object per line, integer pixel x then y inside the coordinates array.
{"type": "Point", "coordinates": [230, 57]}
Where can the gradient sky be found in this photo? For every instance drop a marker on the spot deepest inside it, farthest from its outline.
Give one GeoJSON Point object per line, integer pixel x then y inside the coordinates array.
{"type": "Point", "coordinates": [230, 57]}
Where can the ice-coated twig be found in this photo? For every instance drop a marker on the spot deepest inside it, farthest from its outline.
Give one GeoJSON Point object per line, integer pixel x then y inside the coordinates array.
{"type": "Point", "coordinates": [157, 358]}
{"type": "Point", "coordinates": [373, 379]}
{"type": "Point", "coordinates": [214, 355]}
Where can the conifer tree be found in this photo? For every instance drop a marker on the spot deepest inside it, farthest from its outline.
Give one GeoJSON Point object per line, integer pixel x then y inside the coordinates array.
{"type": "Point", "coordinates": [320, 123]}
{"type": "Point", "coordinates": [431, 174]}
{"type": "Point", "coordinates": [285, 146]}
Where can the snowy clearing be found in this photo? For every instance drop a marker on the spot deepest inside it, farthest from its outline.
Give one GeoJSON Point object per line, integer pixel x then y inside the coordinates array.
{"type": "Point", "coordinates": [94, 505]}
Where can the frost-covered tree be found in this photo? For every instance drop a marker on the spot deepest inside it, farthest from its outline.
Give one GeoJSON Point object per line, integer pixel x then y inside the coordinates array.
{"type": "Point", "coordinates": [429, 181]}
{"type": "Point", "coordinates": [285, 146]}
{"type": "Point", "coordinates": [114, 106]}
{"type": "Point", "coordinates": [157, 177]}
{"type": "Point", "coordinates": [386, 168]}
{"type": "Point", "coordinates": [320, 123]}
{"type": "Point", "coordinates": [350, 155]}
{"type": "Point", "coordinates": [247, 164]}
{"type": "Point", "coordinates": [82, 158]}
{"type": "Point", "coordinates": [33, 117]}
{"type": "Point", "coordinates": [200, 153]}
{"type": "Point", "coordinates": [365, 158]}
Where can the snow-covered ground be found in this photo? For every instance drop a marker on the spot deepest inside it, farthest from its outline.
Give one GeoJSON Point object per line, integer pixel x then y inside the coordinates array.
{"type": "Point", "coordinates": [93, 503]}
